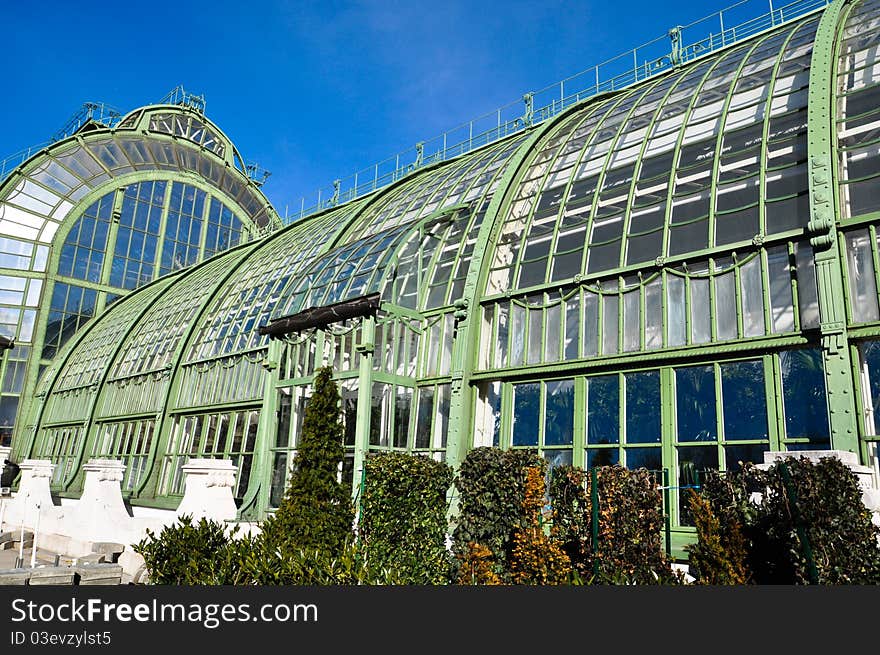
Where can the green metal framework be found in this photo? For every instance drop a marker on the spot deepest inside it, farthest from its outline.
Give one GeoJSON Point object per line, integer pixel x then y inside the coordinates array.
{"type": "Point", "coordinates": [682, 274]}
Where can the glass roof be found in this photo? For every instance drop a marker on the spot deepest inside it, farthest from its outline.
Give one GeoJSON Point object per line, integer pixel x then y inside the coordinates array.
{"type": "Point", "coordinates": [35, 202]}
{"type": "Point", "coordinates": [249, 297]}
{"type": "Point", "coordinates": [91, 356]}
{"type": "Point", "coordinates": [708, 156]}
{"type": "Point", "coordinates": [158, 332]}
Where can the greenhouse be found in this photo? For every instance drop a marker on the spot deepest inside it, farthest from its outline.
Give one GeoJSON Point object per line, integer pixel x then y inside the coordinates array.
{"type": "Point", "coordinates": [681, 274]}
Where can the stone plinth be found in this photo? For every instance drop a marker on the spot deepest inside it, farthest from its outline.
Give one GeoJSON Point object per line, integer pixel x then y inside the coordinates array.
{"type": "Point", "coordinates": [33, 492]}
{"type": "Point", "coordinates": [100, 513]}
{"type": "Point", "coordinates": [208, 491]}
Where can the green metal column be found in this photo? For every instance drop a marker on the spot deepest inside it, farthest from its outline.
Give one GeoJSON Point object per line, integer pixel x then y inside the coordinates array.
{"type": "Point", "coordinates": [366, 349]}
{"type": "Point", "coordinates": [256, 500]}
{"type": "Point", "coordinates": [822, 228]}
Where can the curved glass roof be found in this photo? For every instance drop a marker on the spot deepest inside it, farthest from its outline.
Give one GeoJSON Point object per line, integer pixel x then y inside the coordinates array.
{"type": "Point", "coordinates": [39, 196]}
{"type": "Point", "coordinates": [252, 293]}
{"type": "Point", "coordinates": [91, 355]}
{"type": "Point", "coordinates": [157, 334]}
{"type": "Point", "coordinates": [288, 273]}
{"type": "Point", "coordinates": [708, 156]}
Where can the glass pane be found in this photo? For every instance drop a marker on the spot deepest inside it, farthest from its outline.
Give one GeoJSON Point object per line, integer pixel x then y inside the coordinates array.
{"type": "Point", "coordinates": [808, 295]}
{"type": "Point", "coordinates": [642, 407]}
{"type": "Point", "coordinates": [591, 324]}
{"type": "Point", "coordinates": [675, 310]}
{"type": "Point", "coordinates": [424, 417]}
{"type": "Point", "coordinates": [653, 315]}
{"type": "Point", "coordinates": [862, 285]}
{"type": "Point", "coordinates": [279, 479]}
{"type": "Point", "coordinates": [401, 416]}
{"type": "Point", "coordinates": [871, 357]}
{"type": "Point", "coordinates": [572, 327]}
{"type": "Point", "coordinates": [649, 458]}
{"type": "Point", "coordinates": [603, 410]}
{"type": "Point", "coordinates": [554, 330]}
{"type": "Point", "coordinates": [725, 305]}
{"type": "Point", "coordinates": [526, 408]}
{"type": "Point", "coordinates": [602, 457]}
{"type": "Point", "coordinates": [556, 458]}
{"type": "Point", "coordinates": [736, 456]}
{"type": "Point", "coordinates": [535, 336]}
{"type": "Point", "coordinates": [631, 320]}
{"type": "Point", "coordinates": [803, 391]}
{"type": "Point", "coordinates": [559, 419]}
{"type": "Point", "coordinates": [752, 298]}
{"type": "Point", "coordinates": [695, 403]}
{"type": "Point", "coordinates": [744, 400]}
{"type": "Point", "coordinates": [693, 462]}
{"type": "Point", "coordinates": [609, 325]}
{"type": "Point", "coordinates": [781, 308]}
{"type": "Point", "coordinates": [700, 318]}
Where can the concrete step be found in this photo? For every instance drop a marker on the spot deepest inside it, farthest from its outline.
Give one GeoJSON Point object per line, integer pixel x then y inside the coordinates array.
{"type": "Point", "coordinates": [98, 574]}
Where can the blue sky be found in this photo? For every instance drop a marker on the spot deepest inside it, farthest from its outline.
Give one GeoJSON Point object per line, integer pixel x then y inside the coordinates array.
{"type": "Point", "coordinates": [312, 90]}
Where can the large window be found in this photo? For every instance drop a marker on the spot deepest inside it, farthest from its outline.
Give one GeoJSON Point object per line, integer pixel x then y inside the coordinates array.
{"type": "Point", "coordinates": [772, 291]}
{"type": "Point", "coordinates": [543, 419]}
{"type": "Point", "coordinates": [678, 421]}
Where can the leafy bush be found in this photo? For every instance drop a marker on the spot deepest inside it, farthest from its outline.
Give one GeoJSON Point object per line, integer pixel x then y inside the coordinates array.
{"type": "Point", "coordinates": [192, 554]}
{"type": "Point", "coordinates": [491, 488]}
{"type": "Point", "coordinates": [402, 526]}
{"type": "Point", "coordinates": [630, 522]}
{"type": "Point", "coordinates": [719, 556]}
{"type": "Point", "coordinates": [535, 559]}
{"type": "Point", "coordinates": [478, 566]}
{"type": "Point", "coordinates": [812, 526]}
{"type": "Point", "coordinates": [316, 512]}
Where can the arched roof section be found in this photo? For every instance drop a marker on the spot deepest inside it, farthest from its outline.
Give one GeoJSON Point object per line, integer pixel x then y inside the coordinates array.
{"type": "Point", "coordinates": [41, 193]}
{"type": "Point", "coordinates": [292, 271]}
{"type": "Point", "coordinates": [455, 193]}
{"type": "Point", "coordinates": [458, 181]}
{"type": "Point", "coordinates": [709, 156]}
{"type": "Point", "coordinates": [153, 341]}
{"type": "Point", "coordinates": [251, 294]}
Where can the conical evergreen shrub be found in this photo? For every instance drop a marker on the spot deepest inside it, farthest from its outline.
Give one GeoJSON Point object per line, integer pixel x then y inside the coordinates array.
{"type": "Point", "coordinates": [316, 513]}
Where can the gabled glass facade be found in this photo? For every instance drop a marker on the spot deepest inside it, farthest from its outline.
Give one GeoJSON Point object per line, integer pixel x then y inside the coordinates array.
{"type": "Point", "coordinates": [680, 275]}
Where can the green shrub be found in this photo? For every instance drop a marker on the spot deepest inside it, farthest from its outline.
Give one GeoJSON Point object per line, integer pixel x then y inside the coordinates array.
{"type": "Point", "coordinates": [631, 523]}
{"type": "Point", "coordinates": [719, 557]}
{"type": "Point", "coordinates": [812, 526]}
{"type": "Point", "coordinates": [535, 558]}
{"type": "Point", "coordinates": [315, 513]}
{"type": "Point", "coordinates": [192, 554]}
{"type": "Point", "coordinates": [402, 525]}
{"type": "Point", "coordinates": [491, 489]}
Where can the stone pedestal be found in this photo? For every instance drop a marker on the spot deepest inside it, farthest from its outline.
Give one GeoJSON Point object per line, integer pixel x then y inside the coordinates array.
{"type": "Point", "coordinates": [100, 513]}
{"type": "Point", "coordinates": [208, 491]}
{"type": "Point", "coordinates": [33, 491]}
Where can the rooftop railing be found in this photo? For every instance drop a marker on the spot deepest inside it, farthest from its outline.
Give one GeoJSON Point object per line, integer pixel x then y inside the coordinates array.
{"type": "Point", "coordinates": [682, 44]}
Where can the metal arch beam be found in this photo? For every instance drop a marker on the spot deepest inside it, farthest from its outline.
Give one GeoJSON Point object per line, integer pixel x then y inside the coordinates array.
{"type": "Point", "coordinates": [467, 335]}
{"type": "Point", "coordinates": [162, 430]}
{"type": "Point", "coordinates": [824, 212]}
